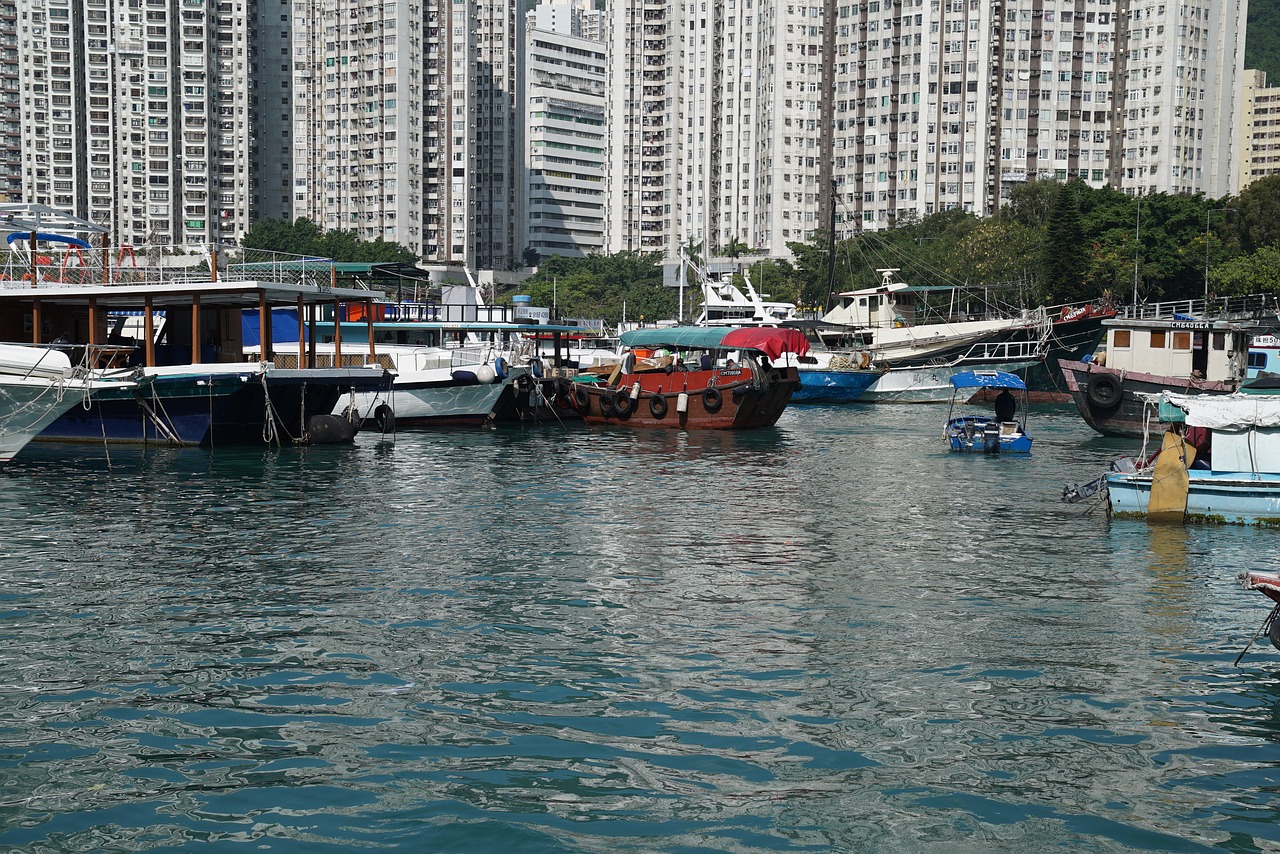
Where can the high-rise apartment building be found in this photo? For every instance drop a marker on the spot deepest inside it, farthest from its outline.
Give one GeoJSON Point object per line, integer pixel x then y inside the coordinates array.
{"type": "Point", "coordinates": [899, 108]}
{"type": "Point", "coordinates": [146, 116]}
{"type": "Point", "coordinates": [1259, 132]}
{"type": "Point", "coordinates": [564, 131]}
{"type": "Point", "coordinates": [360, 113]}
{"type": "Point", "coordinates": [405, 124]}
{"type": "Point", "coordinates": [10, 106]}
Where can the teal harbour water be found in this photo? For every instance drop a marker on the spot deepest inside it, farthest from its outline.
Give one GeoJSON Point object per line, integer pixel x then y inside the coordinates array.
{"type": "Point", "coordinates": [832, 635]}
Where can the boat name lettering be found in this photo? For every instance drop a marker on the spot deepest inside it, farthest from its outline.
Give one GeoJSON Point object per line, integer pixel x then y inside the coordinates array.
{"type": "Point", "coordinates": [1192, 324]}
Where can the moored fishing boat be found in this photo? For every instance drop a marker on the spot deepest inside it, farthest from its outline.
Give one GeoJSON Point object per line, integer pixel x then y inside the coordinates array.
{"type": "Point", "coordinates": [1159, 348]}
{"type": "Point", "coordinates": [186, 381]}
{"type": "Point", "coordinates": [1219, 461]}
{"type": "Point", "coordinates": [1268, 584]}
{"type": "Point", "coordinates": [457, 372]}
{"type": "Point", "coordinates": [712, 378]}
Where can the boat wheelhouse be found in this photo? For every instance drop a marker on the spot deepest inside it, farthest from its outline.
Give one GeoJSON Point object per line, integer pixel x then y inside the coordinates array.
{"type": "Point", "coordinates": [1154, 352]}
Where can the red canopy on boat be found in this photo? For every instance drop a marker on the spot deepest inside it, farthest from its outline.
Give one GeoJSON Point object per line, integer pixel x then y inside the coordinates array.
{"type": "Point", "coordinates": [770, 340]}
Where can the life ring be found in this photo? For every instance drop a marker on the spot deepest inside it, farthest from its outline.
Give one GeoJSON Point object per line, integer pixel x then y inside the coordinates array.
{"type": "Point", "coordinates": [1105, 390]}
{"type": "Point", "coordinates": [658, 406]}
{"type": "Point", "coordinates": [622, 405]}
{"type": "Point", "coordinates": [500, 368]}
{"type": "Point", "coordinates": [385, 418]}
{"type": "Point", "coordinates": [607, 407]}
{"type": "Point", "coordinates": [582, 400]}
{"type": "Point", "coordinates": [712, 399]}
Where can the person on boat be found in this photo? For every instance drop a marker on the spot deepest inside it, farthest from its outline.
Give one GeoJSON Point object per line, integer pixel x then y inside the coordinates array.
{"type": "Point", "coordinates": [1006, 406]}
{"type": "Point", "coordinates": [629, 361]}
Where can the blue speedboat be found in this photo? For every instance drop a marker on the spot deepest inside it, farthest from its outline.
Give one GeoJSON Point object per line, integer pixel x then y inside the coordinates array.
{"type": "Point", "coordinates": [1000, 430]}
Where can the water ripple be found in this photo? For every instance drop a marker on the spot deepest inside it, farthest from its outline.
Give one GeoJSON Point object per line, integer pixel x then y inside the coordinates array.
{"type": "Point", "coordinates": [831, 635]}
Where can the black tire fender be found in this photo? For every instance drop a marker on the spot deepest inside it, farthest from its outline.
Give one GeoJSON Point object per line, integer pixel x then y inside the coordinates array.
{"type": "Point", "coordinates": [658, 406]}
{"type": "Point", "coordinates": [1105, 390]}
{"type": "Point", "coordinates": [712, 399]}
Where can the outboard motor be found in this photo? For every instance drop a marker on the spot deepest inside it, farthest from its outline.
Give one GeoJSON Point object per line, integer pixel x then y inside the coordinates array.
{"type": "Point", "coordinates": [991, 439]}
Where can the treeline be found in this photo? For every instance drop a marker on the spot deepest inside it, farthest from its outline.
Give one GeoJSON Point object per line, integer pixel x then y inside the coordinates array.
{"type": "Point", "coordinates": [1051, 243]}
{"type": "Point", "coordinates": [304, 237]}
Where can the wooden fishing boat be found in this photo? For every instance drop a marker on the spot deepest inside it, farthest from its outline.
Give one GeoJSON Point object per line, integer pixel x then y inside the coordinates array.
{"type": "Point", "coordinates": [695, 378]}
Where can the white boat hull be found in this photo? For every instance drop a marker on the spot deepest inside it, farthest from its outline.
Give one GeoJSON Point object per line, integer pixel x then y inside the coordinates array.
{"type": "Point", "coordinates": [432, 397]}
{"type": "Point", "coordinates": [1230, 498]}
{"type": "Point", "coordinates": [924, 384]}
{"type": "Point", "coordinates": [28, 405]}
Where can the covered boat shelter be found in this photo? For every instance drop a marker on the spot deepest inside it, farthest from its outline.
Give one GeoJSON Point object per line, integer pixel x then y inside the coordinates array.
{"type": "Point", "coordinates": [202, 319]}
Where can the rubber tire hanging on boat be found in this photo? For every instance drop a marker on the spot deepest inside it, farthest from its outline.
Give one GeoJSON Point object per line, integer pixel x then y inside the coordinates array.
{"type": "Point", "coordinates": [385, 418]}
{"type": "Point", "coordinates": [606, 404]}
{"type": "Point", "coordinates": [658, 406]}
{"type": "Point", "coordinates": [1105, 391]}
{"type": "Point", "coordinates": [582, 400]}
{"type": "Point", "coordinates": [622, 405]}
{"type": "Point", "coordinates": [712, 399]}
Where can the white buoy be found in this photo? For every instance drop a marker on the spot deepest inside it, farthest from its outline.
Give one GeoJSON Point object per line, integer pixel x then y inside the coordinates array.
{"type": "Point", "coordinates": [635, 391]}
{"type": "Point", "coordinates": [485, 374]}
{"type": "Point", "coordinates": [682, 402]}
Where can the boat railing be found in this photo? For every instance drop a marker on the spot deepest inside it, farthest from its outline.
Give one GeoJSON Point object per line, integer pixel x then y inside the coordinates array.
{"type": "Point", "coordinates": [24, 267]}
{"type": "Point", "coordinates": [1004, 351]}
{"type": "Point", "coordinates": [1237, 308]}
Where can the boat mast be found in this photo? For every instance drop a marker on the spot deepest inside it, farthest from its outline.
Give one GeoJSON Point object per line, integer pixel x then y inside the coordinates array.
{"type": "Point", "coordinates": [831, 246]}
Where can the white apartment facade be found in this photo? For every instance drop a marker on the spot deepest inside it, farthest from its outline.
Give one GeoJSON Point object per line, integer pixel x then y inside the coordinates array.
{"type": "Point", "coordinates": [891, 109]}
{"type": "Point", "coordinates": [405, 125]}
{"type": "Point", "coordinates": [566, 145]}
{"type": "Point", "coordinates": [1259, 132]}
{"type": "Point", "coordinates": [147, 116]}
{"type": "Point", "coordinates": [358, 117]}
{"type": "Point", "coordinates": [10, 106]}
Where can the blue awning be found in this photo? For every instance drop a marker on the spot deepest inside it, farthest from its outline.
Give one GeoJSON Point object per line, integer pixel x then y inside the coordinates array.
{"type": "Point", "coordinates": [987, 379]}
{"type": "Point", "coordinates": [284, 326]}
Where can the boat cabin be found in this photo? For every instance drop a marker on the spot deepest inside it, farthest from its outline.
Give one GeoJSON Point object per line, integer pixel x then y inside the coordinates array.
{"type": "Point", "coordinates": [1264, 357]}
{"type": "Point", "coordinates": [1209, 350]}
{"type": "Point", "coordinates": [896, 304]}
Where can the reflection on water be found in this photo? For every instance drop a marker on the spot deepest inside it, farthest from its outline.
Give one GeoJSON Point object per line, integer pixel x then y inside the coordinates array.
{"type": "Point", "coordinates": [830, 635]}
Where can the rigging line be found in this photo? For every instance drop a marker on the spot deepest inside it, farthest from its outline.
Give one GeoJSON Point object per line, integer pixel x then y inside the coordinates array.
{"type": "Point", "coordinates": [156, 421]}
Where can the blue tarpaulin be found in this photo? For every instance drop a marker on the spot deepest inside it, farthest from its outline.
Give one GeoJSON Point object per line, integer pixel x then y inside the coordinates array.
{"type": "Point", "coordinates": [284, 326]}
{"type": "Point", "coordinates": [986, 379]}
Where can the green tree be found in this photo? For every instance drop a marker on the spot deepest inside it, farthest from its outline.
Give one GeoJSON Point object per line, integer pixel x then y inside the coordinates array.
{"type": "Point", "coordinates": [600, 285]}
{"type": "Point", "coordinates": [1063, 257]}
{"type": "Point", "coordinates": [304, 237]}
{"type": "Point", "coordinates": [1256, 220]}
{"type": "Point", "coordinates": [1255, 273]}
{"type": "Point", "coordinates": [734, 248]}
{"type": "Point", "coordinates": [1031, 203]}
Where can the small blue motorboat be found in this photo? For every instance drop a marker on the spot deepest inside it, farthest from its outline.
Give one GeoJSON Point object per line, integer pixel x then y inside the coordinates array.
{"type": "Point", "coordinates": [1001, 431]}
